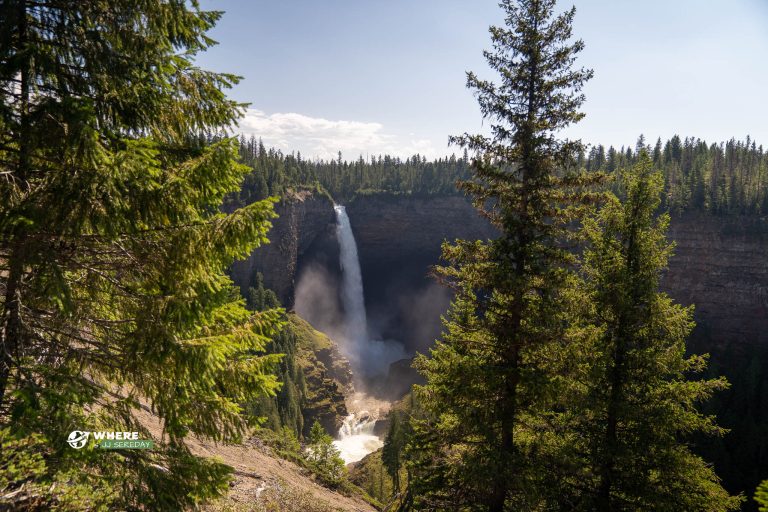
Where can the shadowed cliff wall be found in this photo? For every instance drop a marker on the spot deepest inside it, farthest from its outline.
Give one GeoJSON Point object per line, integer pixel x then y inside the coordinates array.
{"type": "Point", "coordinates": [303, 217]}
{"type": "Point", "coordinates": [720, 263]}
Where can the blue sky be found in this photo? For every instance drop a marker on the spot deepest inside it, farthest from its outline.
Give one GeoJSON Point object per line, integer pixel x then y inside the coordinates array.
{"type": "Point", "coordinates": [374, 76]}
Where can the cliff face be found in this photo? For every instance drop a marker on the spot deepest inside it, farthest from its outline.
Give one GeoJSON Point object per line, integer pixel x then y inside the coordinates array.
{"type": "Point", "coordinates": [399, 239]}
{"type": "Point", "coordinates": [720, 263]}
{"type": "Point", "coordinates": [301, 218]}
{"type": "Point", "coordinates": [721, 266]}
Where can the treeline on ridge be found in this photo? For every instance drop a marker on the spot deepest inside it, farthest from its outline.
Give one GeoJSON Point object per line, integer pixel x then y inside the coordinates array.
{"type": "Point", "coordinates": [725, 178]}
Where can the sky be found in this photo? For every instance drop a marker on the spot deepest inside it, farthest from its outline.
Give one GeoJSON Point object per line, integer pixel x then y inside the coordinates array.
{"type": "Point", "coordinates": [369, 77]}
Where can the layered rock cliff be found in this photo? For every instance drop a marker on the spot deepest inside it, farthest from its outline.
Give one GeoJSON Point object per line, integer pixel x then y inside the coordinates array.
{"type": "Point", "coordinates": [302, 216]}
{"type": "Point", "coordinates": [399, 239]}
{"type": "Point", "coordinates": [720, 263]}
{"type": "Point", "coordinates": [721, 266]}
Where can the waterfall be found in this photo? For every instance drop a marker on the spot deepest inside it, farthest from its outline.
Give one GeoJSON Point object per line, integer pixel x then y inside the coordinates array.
{"type": "Point", "coordinates": [356, 438]}
{"type": "Point", "coordinates": [369, 357]}
{"type": "Point", "coordinates": [356, 325]}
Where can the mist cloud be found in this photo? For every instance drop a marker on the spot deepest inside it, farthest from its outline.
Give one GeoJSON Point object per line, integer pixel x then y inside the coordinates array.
{"type": "Point", "coordinates": [317, 301]}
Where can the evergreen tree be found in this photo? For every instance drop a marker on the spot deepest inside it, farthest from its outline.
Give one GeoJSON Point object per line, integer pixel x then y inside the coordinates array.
{"type": "Point", "coordinates": [112, 250]}
{"type": "Point", "coordinates": [490, 381]}
{"type": "Point", "coordinates": [634, 401]}
{"type": "Point", "coordinates": [761, 497]}
{"type": "Point", "coordinates": [323, 457]}
{"type": "Point", "coordinates": [394, 445]}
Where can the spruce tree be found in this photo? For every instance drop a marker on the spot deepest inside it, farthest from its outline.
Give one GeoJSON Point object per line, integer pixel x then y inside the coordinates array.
{"type": "Point", "coordinates": [761, 496]}
{"type": "Point", "coordinates": [324, 458]}
{"type": "Point", "coordinates": [112, 250]}
{"type": "Point", "coordinates": [634, 403]}
{"type": "Point", "coordinates": [491, 379]}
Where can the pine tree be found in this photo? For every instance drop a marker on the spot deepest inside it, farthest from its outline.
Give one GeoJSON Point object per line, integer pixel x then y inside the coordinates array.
{"type": "Point", "coordinates": [112, 251]}
{"type": "Point", "coordinates": [634, 403]}
{"type": "Point", "coordinates": [324, 458]}
{"type": "Point", "coordinates": [394, 445]}
{"type": "Point", "coordinates": [761, 496]}
{"type": "Point", "coordinates": [490, 381]}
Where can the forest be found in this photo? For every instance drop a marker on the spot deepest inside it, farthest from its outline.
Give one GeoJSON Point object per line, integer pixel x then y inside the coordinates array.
{"type": "Point", "coordinates": [563, 379]}
{"type": "Point", "coordinates": [723, 178]}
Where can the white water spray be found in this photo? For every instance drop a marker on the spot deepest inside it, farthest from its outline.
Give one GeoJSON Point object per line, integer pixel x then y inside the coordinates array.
{"type": "Point", "coordinates": [369, 357]}
{"type": "Point", "coordinates": [356, 437]}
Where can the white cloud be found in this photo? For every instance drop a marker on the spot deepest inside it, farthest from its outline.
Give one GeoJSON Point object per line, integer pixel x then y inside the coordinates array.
{"type": "Point", "coordinates": [316, 137]}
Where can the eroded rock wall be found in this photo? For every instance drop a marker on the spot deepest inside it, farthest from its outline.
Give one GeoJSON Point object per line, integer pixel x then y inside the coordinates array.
{"type": "Point", "coordinates": [721, 266]}
{"type": "Point", "coordinates": [302, 216]}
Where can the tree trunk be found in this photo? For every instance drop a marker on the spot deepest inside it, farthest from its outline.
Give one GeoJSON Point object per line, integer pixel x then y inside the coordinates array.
{"type": "Point", "coordinates": [10, 330]}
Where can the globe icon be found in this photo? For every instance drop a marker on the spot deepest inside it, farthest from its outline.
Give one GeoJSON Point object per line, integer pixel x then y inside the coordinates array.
{"type": "Point", "coordinates": [77, 439]}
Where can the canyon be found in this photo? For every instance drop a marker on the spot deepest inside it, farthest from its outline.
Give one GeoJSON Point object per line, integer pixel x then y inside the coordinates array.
{"type": "Point", "coordinates": [719, 265]}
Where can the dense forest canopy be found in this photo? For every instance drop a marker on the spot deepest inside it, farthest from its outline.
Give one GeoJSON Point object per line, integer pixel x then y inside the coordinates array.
{"type": "Point", "coordinates": [274, 172]}
{"type": "Point", "coordinates": [725, 178]}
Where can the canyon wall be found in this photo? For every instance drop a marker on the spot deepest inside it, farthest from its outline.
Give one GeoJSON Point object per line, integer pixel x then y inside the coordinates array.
{"type": "Point", "coordinates": [303, 217]}
{"type": "Point", "coordinates": [721, 266]}
{"type": "Point", "coordinates": [720, 263]}
{"type": "Point", "coordinates": [399, 239]}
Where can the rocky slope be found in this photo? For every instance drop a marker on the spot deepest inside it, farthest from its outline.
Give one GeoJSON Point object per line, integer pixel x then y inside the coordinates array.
{"type": "Point", "coordinates": [262, 480]}
{"type": "Point", "coordinates": [327, 375]}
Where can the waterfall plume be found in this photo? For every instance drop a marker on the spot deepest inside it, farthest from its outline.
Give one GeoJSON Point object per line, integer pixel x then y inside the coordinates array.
{"type": "Point", "coordinates": [355, 322]}
{"type": "Point", "coordinates": [368, 356]}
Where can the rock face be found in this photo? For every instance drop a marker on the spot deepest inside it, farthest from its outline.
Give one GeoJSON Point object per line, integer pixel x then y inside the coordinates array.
{"type": "Point", "coordinates": [721, 266]}
{"type": "Point", "coordinates": [720, 263]}
{"type": "Point", "coordinates": [302, 216]}
{"type": "Point", "coordinates": [399, 239]}
{"type": "Point", "coordinates": [327, 375]}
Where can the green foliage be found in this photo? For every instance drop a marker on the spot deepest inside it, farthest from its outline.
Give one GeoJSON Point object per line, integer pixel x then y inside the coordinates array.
{"type": "Point", "coordinates": [491, 378]}
{"type": "Point", "coordinates": [274, 174]}
{"type": "Point", "coordinates": [308, 375]}
{"type": "Point", "coordinates": [323, 457]}
{"type": "Point", "coordinates": [260, 298]}
{"type": "Point", "coordinates": [741, 456]}
{"type": "Point", "coordinates": [371, 475]}
{"type": "Point", "coordinates": [392, 451]}
{"type": "Point", "coordinates": [631, 401]}
{"type": "Point", "coordinates": [725, 178]}
{"type": "Point", "coordinates": [26, 481]}
{"type": "Point", "coordinates": [112, 250]}
{"type": "Point", "coordinates": [394, 455]}
{"type": "Point", "coordinates": [761, 496]}
{"type": "Point", "coordinates": [283, 441]}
